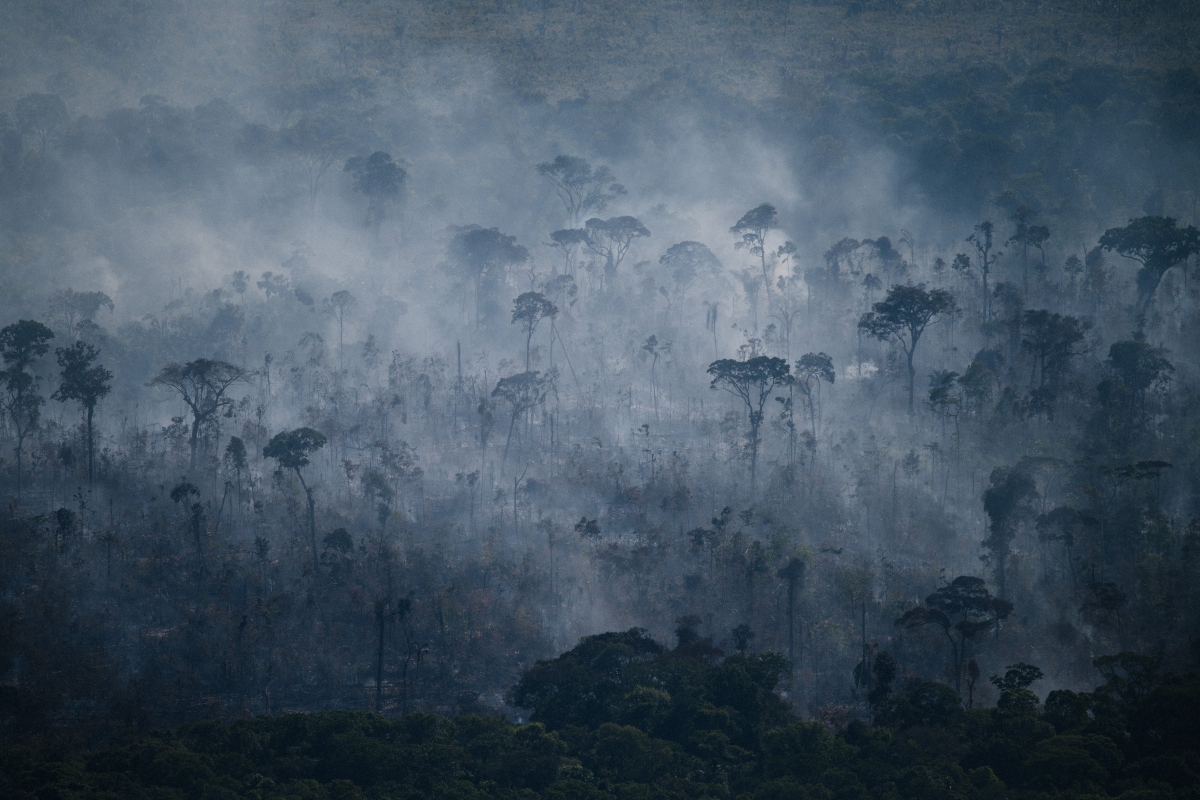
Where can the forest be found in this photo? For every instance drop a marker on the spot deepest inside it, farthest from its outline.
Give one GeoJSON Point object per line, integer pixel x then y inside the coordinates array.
{"type": "Point", "coordinates": [547, 399]}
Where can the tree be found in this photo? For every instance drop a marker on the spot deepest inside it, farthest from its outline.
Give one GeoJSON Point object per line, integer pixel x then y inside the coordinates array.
{"type": "Point", "coordinates": [202, 385]}
{"type": "Point", "coordinates": [753, 381]}
{"type": "Point", "coordinates": [811, 370]}
{"type": "Point", "coordinates": [85, 381]}
{"type": "Point", "coordinates": [1156, 243]}
{"type": "Point", "coordinates": [903, 315]}
{"type": "Point", "coordinates": [529, 309]}
{"type": "Point", "coordinates": [317, 143]}
{"type": "Point", "coordinates": [963, 609]}
{"type": "Point", "coordinates": [753, 228]}
{"type": "Point", "coordinates": [341, 302]}
{"type": "Point", "coordinates": [654, 348]}
{"type": "Point", "coordinates": [1025, 236]}
{"type": "Point", "coordinates": [581, 187]}
{"type": "Point", "coordinates": [75, 308]}
{"type": "Point", "coordinates": [522, 391]}
{"type": "Point", "coordinates": [291, 450]}
{"type": "Point", "coordinates": [687, 262]}
{"type": "Point", "coordinates": [21, 344]}
{"type": "Point", "coordinates": [379, 179]}
{"type": "Point", "coordinates": [982, 240]}
{"type": "Point", "coordinates": [42, 116]}
{"type": "Point", "coordinates": [180, 495]}
{"type": "Point", "coordinates": [945, 395]}
{"type": "Point", "coordinates": [1053, 340]}
{"type": "Point", "coordinates": [612, 238]}
{"type": "Point", "coordinates": [793, 573]}
{"type": "Point", "coordinates": [1007, 501]}
{"type": "Point", "coordinates": [483, 254]}
{"type": "Point", "coordinates": [567, 242]}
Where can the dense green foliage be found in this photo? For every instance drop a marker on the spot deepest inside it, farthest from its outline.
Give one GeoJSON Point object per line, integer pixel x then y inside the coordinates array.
{"type": "Point", "coordinates": [620, 716]}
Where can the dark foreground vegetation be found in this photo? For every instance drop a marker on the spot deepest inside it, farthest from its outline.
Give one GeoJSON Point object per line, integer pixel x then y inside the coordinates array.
{"type": "Point", "coordinates": [620, 716]}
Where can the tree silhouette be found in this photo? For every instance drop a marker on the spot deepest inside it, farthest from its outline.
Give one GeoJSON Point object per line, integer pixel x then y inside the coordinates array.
{"type": "Point", "coordinates": [982, 240]}
{"type": "Point", "coordinates": [340, 302]}
{"type": "Point", "coordinates": [687, 262]}
{"type": "Point", "coordinates": [21, 344]}
{"type": "Point", "coordinates": [1008, 500]}
{"type": "Point", "coordinates": [753, 228]}
{"type": "Point", "coordinates": [611, 238]}
{"type": "Point", "coordinates": [811, 370]}
{"type": "Point", "coordinates": [903, 315]}
{"type": "Point", "coordinates": [202, 385]}
{"type": "Point", "coordinates": [567, 242]}
{"type": "Point", "coordinates": [529, 309]}
{"type": "Point", "coordinates": [1025, 236]}
{"type": "Point", "coordinates": [483, 254]}
{"type": "Point", "coordinates": [1156, 243]}
{"type": "Point", "coordinates": [379, 179]}
{"type": "Point", "coordinates": [753, 381]}
{"type": "Point", "coordinates": [963, 609]}
{"type": "Point", "coordinates": [317, 142]}
{"type": "Point", "coordinates": [581, 187]}
{"type": "Point", "coordinates": [85, 381]}
{"type": "Point", "coordinates": [522, 391]}
{"type": "Point", "coordinates": [1053, 340]}
{"type": "Point", "coordinates": [291, 450]}
{"type": "Point", "coordinates": [75, 308]}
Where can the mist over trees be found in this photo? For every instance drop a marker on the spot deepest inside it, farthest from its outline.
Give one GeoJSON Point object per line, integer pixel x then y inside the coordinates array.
{"type": "Point", "coordinates": [718, 413]}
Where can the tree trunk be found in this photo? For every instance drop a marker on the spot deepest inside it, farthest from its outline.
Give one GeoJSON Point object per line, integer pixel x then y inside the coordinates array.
{"type": "Point", "coordinates": [912, 378]}
{"type": "Point", "coordinates": [194, 439]}
{"type": "Point", "coordinates": [91, 444]}
{"type": "Point", "coordinates": [312, 522]}
{"type": "Point", "coordinates": [20, 447]}
{"type": "Point", "coordinates": [380, 621]}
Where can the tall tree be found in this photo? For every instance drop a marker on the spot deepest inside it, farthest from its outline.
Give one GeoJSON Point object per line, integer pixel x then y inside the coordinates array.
{"type": "Point", "coordinates": [339, 304]}
{"type": "Point", "coordinates": [753, 380]}
{"type": "Point", "coordinates": [581, 187]}
{"type": "Point", "coordinates": [903, 316]}
{"type": "Point", "coordinates": [483, 255]}
{"type": "Point", "coordinates": [379, 179]}
{"type": "Point", "coordinates": [1026, 235]}
{"type": "Point", "coordinates": [612, 238]}
{"type": "Point", "coordinates": [1053, 341]}
{"type": "Point", "coordinates": [523, 392]}
{"type": "Point", "coordinates": [291, 450]}
{"type": "Point", "coordinates": [964, 609]}
{"type": "Point", "coordinates": [982, 240]}
{"type": "Point", "coordinates": [567, 242]}
{"type": "Point", "coordinates": [811, 370]}
{"type": "Point", "coordinates": [793, 573]}
{"type": "Point", "coordinates": [203, 385]}
{"type": "Point", "coordinates": [75, 308]}
{"type": "Point", "coordinates": [85, 381]}
{"type": "Point", "coordinates": [317, 143]}
{"type": "Point", "coordinates": [752, 229]}
{"type": "Point", "coordinates": [1156, 243]}
{"type": "Point", "coordinates": [21, 344]}
{"type": "Point", "coordinates": [654, 349]}
{"type": "Point", "coordinates": [1008, 501]}
{"type": "Point", "coordinates": [529, 309]}
{"type": "Point", "coordinates": [686, 263]}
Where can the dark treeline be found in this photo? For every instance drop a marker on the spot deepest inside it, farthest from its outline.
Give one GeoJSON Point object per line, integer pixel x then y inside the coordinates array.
{"type": "Point", "coordinates": [367, 390]}
{"type": "Point", "coordinates": [621, 716]}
